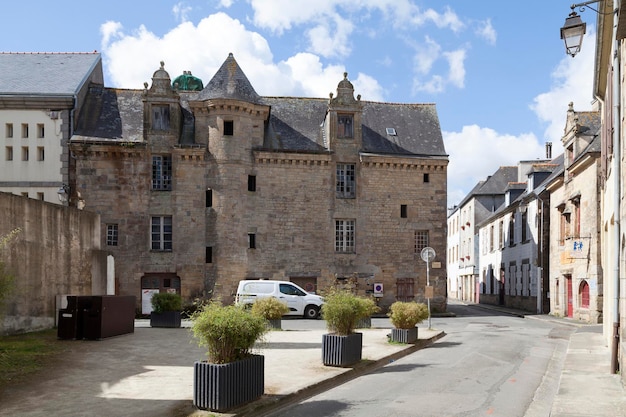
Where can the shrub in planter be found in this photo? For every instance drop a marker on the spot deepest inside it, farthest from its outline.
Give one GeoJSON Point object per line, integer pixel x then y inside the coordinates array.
{"type": "Point", "coordinates": [271, 309]}
{"type": "Point", "coordinates": [342, 310]}
{"type": "Point", "coordinates": [166, 308]}
{"type": "Point", "coordinates": [232, 374]}
{"type": "Point", "coordinates": [404, 317]}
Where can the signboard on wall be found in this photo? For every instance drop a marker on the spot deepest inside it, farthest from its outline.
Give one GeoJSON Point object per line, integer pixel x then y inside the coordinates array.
{"type": "Point", "coordinates": [378, 289]}
{"type": "Point", "coordinates": [146, 300]}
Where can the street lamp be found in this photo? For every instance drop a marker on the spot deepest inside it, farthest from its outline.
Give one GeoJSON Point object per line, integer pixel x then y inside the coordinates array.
{"type": "Point", "coordinates": [428, 254]}
{"type": "Point", "coordinates": [572, 33]}
{"type": "Point", "coordinates": [574, 28]}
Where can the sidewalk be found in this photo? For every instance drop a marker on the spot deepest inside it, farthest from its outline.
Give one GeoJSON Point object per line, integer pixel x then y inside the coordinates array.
{"type": "Point", "coordinates": [586, 386]}
{"type": "Point", "coordinates": [150, 372]}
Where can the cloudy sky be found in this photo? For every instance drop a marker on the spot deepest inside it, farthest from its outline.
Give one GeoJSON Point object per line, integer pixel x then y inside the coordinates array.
{"type": "Point", "coordinates": [496, 70]}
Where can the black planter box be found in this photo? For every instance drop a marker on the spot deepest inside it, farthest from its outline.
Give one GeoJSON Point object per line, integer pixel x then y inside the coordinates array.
{"type": "Point", "coordinates": [341, 351]}
{"type": "Point", "coordinates": [364, 323]}
{"type": "Point", "coordinates": [165, 319]}
{"type": "Point", "coordinates": [275, 324]}
{"type": "Point", "coordinates": [219, 387]}
{"type": "Point", "coordinates": [404, 335]}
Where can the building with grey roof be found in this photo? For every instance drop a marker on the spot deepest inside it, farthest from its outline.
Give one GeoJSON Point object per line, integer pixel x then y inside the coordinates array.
{"type": "Point", "coordinates": [41, 97]}
{"type": "Point", "coordinates": [200, 189]}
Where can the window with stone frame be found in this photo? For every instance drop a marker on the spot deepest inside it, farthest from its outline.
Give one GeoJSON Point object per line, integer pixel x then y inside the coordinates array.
{"type": "Point", "coordinates": [421, 241]}
{"type": "Point", "coordinates": [161, 172]}
{"type": "Point", "coordinates": [161, 233]}
{"type": "Point", "coordinates": [345, 126]}
{"type": "Point", "coordinates": [344, 236]}
{"type": "Point", "coordinates": [160, 117]}
{"type": "Point", "coordinates": [346, 183]}
{"type": "Point", "coordinates": [512, 230]}
{"type": "Point", "coordinates": [583, 294]}
{"type": "Point", "coordinates": [112, 234]}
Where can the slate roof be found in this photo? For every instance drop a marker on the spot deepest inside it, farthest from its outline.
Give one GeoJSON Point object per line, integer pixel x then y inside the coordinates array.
{"type": "Point", "coordinates": [111, 114]}
{"type": "Point", "coordinates": [45, 73]}
{"type": "Point", "coordinates": [294, 122]}
{"type": "Point", "coordinates": [499, 181]}
{"type": "Point", "coordinates": [229, 82]}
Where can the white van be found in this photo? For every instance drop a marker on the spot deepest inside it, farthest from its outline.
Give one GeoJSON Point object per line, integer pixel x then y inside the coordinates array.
{"type": "Point", "coordinates": [300, 302]}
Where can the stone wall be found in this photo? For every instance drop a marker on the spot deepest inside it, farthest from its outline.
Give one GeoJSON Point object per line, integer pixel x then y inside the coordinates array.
{"type": "Point", "coordinates": [56, 252]}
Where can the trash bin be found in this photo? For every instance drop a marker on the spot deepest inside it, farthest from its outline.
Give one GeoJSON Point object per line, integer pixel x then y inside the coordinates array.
{"type": "Point", "coordinates": [108, 315]}
{"type": "Point", "coordinates": [70, 324]}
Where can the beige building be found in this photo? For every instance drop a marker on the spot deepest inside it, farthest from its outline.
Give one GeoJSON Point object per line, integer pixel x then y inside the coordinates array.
{"type": "Point", "coordinates": [41, 96]}
{"type": "Point", "coordinates": [576, 281]}
{"type": "Point", "coordinates": [200, 186]}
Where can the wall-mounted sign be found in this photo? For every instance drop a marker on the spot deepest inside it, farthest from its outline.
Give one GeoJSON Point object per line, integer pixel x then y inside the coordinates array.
{"type": "Point", "coordinates": [378, 289]}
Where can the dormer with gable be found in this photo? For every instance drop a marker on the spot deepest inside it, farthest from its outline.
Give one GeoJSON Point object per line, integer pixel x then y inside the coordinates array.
{"type": "Point", "coordinates": [162, 113]}
{"type": "Point", "coordinates": [342, 126]}
{"type": "Point", "coordinates": [580, 130]}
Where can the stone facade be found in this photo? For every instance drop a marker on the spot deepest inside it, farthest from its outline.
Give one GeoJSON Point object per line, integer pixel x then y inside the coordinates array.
{"type": "Point", "coordinates": [576, 284]}
{"type": "Point", "coordinates": [307, 190]}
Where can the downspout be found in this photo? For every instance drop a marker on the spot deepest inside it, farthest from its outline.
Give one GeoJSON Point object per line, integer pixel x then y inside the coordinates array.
{"type": "Point", "coordinates": [616, 192]}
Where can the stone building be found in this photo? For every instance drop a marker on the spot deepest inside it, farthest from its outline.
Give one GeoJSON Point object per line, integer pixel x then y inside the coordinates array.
{"type": "Point", "coordinates": [198, 189]}
{"type": "Point", "coordinates": [576, 284]}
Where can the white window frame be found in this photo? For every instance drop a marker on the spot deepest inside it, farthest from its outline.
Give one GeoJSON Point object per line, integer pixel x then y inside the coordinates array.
{"type": "Point", "coordinates": [161, 233]}
{"type": "Point", "coordinates": [345, 230]}
{"type": "Point", "coordinates": [346, 181]}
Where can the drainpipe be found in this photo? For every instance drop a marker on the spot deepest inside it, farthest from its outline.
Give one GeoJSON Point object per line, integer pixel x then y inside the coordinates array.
{"type": "Point", "coordinates": [616, 193]}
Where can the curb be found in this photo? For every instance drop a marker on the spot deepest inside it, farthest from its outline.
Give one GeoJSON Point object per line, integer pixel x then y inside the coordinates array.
{"type": "Point", "coordinates": [270, 404]}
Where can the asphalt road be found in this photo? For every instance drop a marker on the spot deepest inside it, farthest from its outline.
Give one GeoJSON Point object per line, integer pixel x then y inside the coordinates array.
{"type": "Point", "coordinates": [489, 364]}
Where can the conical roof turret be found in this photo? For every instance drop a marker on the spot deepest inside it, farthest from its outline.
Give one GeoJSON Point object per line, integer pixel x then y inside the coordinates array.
{"type": "Point", "coordinates": [230, 82]}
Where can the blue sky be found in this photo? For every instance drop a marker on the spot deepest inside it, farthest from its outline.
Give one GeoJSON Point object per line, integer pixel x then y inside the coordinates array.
{"type": "Point", "coordinates": [496, 70]}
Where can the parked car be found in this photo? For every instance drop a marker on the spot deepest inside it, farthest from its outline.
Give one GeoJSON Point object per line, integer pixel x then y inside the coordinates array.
{"type": "Point", "coordinates": [300, 302]}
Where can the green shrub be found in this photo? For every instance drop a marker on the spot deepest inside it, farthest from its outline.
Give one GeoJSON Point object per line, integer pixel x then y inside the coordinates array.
{"type": "Point", "coordinates": [342, 310]}
{"type": "Point", "coordinates": [228, 332]}
{"type": "Point", "coordinates": [166, 301]}
{"type": "Point", "coordinates": [269, 308]}
{"type": "Point", "coordinates": [405, 315]}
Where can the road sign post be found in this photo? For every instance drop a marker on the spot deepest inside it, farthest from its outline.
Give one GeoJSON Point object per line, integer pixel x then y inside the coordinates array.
{"type": "Point", "coordinates": [428, 254]}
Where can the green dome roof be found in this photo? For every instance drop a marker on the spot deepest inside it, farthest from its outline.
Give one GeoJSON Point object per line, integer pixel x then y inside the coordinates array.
{"type": "Point", "coordinates": [187, 82]}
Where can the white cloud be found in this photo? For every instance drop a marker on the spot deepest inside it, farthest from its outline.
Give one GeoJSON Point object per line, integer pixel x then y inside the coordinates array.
{"type": "Point", "coordinates": [572, 82]}
{"type": "Point", "coordinates": [181, 11]}
{"type": "Point", "coordinates": [456, 60]}
{"type": "Point", "coordinates": [477, 152]}
{"type": "Point", "coordinates": [331, 40]}
{"type": "Point", "coordinates": [487, 32]}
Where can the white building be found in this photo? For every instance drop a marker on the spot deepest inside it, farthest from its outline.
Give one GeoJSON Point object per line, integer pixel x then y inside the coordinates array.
{"type": "Point", "coordinates": [41, 95]}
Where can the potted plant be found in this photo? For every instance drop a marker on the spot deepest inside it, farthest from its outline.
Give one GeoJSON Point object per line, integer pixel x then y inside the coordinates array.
{"type": "Point", "coordinates": [372, 308]}
{"type": "Point", "coordinates": [342, 310]}
{"type": "Point", "coordinates": [405, 315]}
{"type": "Point", "coordinates": [166, 308]}
{"type": "Point", "coordinates": [271, 309]}
{"type": "Point", "coordinates": [232, 375]}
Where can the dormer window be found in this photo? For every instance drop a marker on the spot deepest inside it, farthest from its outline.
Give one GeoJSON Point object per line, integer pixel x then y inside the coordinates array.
{"type": "Point", "coordinates": [160, 117]}
{"type": "Point", "coordinates": [344, 126]}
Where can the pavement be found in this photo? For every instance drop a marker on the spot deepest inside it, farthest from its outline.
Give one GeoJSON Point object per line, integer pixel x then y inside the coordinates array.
{"type": "Point", "coordinates": [150, 373]}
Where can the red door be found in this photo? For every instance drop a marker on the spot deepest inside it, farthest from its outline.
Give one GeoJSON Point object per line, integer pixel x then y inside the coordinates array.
{"type": "Point", "coordinates": [570, 301]}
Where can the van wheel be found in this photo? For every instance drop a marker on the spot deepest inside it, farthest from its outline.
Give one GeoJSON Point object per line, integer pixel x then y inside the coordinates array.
{"type": "Point", "coordinates": [311, 312]}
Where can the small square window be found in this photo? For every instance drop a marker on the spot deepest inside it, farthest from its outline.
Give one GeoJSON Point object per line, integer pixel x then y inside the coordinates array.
{"type": "Point", "coordinates": [229, 127]}
{"type": "Point", "coordinates": [403, 211]}
{"type": "Point", "coordinates": [391, 131]}
{"type": "Point", "coordinates": [9, 130]}
{"type": "Point", "coordinates": [40, 196]}
{"type": "Point", "coordinates": [426, 177]}
{"type": "Point", "coordinates": [208, 256]}
{"type": "Point", "coordinates": [251, 182]}
{"type": "Point", "coordinates": [40, 153]}
{"type": "Point", "coordinates": [24, 130]}
{"type": "Point", "coordinates": [40, 130]}
{"type": "Point", "coordinates": [25, 194]}
{"type": "Point", "coordinates": [9, 153]}
{"type": "Point", "coordinates": [24, 153]}
{"type": "Point", "coordinates": [252, 240]}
